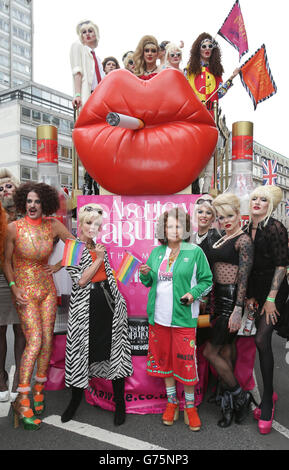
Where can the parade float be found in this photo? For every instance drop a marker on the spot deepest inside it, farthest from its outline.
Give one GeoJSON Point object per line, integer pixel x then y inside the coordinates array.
{"type": "Point", "coordinates": [145, 142]}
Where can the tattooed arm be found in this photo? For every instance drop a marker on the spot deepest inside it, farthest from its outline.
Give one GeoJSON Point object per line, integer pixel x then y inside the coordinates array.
{"type": "Point", "coordinates": [278, 240]}
{"type": "Point", "coordinates": [269, 307]}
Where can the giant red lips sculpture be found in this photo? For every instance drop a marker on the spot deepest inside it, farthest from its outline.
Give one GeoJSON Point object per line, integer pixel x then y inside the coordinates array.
{"type": "Point", "coordinates": [166, 155]}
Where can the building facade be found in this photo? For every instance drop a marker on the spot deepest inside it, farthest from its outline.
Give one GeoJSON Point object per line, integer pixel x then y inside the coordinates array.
{"type": "Point", "coordinates": [16, 42]}
{"type": "Point", "coordinates": [260, 154]}
{"type": "Point", "coordinates": [22, 109]}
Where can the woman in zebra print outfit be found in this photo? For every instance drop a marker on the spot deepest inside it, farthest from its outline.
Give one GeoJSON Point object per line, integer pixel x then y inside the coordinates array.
{"type": "Point", "coordinates": [97, 336]}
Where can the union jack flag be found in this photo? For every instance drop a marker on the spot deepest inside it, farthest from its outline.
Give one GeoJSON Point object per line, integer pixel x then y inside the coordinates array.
{"type": "Point", "coordinates": [269, 172]}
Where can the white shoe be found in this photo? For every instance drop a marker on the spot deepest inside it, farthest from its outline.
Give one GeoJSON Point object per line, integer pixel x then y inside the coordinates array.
{"type": "Point", "coordinates": [4, 396]}
{"type": "Point", "coordinates": [13, 396]}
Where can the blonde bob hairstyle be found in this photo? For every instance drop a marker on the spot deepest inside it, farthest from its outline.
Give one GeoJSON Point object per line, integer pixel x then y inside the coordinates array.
{"type": "Point", "coordinates": [171, 47]}
{"type": "Point", "coordinates": [138, 56]}
{"type": "Point", "coordinates": [85, 25]}
{"type": "Point", "coordinates": [272, 193]}
{"type": "Point", "coordinates": [226, 203]}
{"type": "Point", "coordinates": [88, 212]}
{"type": "Point", "coordinates": [208, 206]}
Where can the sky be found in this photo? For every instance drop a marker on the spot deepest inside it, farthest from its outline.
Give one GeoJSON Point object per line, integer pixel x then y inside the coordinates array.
{"type": "Point", "coordinates": [122, 23]}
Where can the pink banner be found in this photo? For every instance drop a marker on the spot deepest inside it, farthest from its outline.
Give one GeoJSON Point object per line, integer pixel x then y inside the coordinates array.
{"type": "Point", "coordinates": [233, 30]}
{"type": "Point", "coordinates": [129, 224]}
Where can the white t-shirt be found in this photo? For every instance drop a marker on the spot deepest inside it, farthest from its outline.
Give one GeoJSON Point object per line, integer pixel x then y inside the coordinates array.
{"type": "Point", "coordinates": [164, 293]}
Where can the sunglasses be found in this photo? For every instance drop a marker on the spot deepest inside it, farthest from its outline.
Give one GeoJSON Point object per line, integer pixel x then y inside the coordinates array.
{"type": "Point", "coordinates": [177, 54]}
{"type": "Point", "coordinates": [7, 186]}
{"type": "Point", "coordinates": [201, 201]}
{"type": "Point", "coordinates": [92, 209]}
{"type": "Point", "coordinates": [153, 51]}
{"type": "Point", "coordinates": [207, 46]}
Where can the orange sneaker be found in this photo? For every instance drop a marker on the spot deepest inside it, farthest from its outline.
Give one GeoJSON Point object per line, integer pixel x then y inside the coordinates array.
{"type": "Point", "coordinates": [171, 414]}
{"type": "Point", "coordinates": [192, 418]}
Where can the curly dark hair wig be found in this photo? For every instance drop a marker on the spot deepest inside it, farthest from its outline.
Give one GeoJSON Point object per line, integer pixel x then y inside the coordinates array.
{"type": "Point", "coordinates": [215, 65]}
{"type": "Point", "coordinates": [47, 194]}
{"type": "Point", "coordinates": [3, 228]}
{"type": "Point", "coordinates": [181, 216]}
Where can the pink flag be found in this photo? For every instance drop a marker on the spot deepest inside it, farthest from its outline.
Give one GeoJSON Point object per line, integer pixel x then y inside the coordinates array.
{"type": "Point", "coordinates": [233, 30]}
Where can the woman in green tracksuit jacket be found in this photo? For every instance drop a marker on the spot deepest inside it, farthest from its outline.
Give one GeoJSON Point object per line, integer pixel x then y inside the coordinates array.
{"type": "Point", "coordinates": [178, 275]}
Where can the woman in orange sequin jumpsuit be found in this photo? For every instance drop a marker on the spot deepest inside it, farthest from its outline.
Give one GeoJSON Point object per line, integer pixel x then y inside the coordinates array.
{"type": "Point", "coordinates": [29, 245]}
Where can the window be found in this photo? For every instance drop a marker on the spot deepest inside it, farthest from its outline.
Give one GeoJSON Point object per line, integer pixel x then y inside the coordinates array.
{"type": "Point", "coordinates": [64, 125]}
{"type": "Point", "coordinates": [18, 81]}
{"type": "Point", "coordinates": [21, 33]}
{"type": "Point", "coordinates": [21, 16]}
{"type": "Point", "coordinates": [20, 67]}
{"type": "Point", "coordinates": [4, 60]}
{"type": "Point", "coordinates": [36, 115]}
{"type": "Point", "coordinates": [28, 173]}
{"type": "Point", "coordinates": [4, 25]}
{"type": "Point", "coordinates": [4, 78]}
{"type": "Point", "coordinates": [66, 180]}
{"type": "Point", "coordinates": [65, 152]}
{"type": "Point", "coordinates": [46, 118]}
{"type": "Point", "coordinates": [4, 43]}
{"type": "Point", "coordinates": [4, 6]}
{"type": "Point", "coordinates": [25, 145]}
{"type": "Point", "coordinates": [55, 121]}
{"type": "Point", "coordinates": [22, 51]}
{"type": "Point", "coordinates": [25, 114]}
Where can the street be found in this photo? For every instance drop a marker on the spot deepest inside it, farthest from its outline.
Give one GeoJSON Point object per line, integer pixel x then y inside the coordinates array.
{"type": "Point", "coordinates": [93, 428]}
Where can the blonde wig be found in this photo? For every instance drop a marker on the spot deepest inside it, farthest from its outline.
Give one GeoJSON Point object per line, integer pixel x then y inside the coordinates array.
{"type": "Point", "coordinates": [138, 57]}
{"type": "Point", "coordinates": [272, 193]}
{"type": "Point", "coordinates": [88, 212]}
{"type": "Point", "coordinates": [126, 57]}
{"type": "Point", "coordinates": [7, 177]}
{"type": "Point", "coordinates": [226, 203]}
{"type": "Point", "coordinates": [208, 207]}
{"type": "Point", "coordinates": [85, 25]}
{"type": "Point", "coordinates": [170, 48]}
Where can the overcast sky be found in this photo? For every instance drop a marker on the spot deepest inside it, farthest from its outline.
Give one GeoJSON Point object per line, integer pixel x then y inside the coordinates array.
{"type": "Point", "coordinates": [123, 22]}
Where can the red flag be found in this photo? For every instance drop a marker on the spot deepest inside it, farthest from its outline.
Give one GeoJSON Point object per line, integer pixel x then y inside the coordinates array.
{"type": "Point", "coordinates": [257, 78]}
{"type": "Point", "coordinates": [233, 30]}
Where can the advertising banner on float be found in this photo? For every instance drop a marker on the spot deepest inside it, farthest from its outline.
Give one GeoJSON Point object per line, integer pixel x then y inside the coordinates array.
{"type": "Point", "coordinates": [129, 227]}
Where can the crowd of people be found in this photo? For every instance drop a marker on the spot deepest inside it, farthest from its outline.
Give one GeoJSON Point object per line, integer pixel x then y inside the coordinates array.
{"type": "Point", "coordinates": [220, 271]}
{"type": "Point", "coordinates": [204, 73]}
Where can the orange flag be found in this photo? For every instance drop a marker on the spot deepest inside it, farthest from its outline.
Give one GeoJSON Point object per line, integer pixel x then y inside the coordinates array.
{"type": "Point", "coordinates": [257, 78]}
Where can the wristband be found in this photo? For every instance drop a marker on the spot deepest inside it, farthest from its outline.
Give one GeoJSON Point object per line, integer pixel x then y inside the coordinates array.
{"type": "Point", "coordinates": [12, 283]}
{"type": "Point", "coordinates": [204, 301]}
{"type": "Point", "coordinates": [270, 299]}
{"type": "Point", "coordinates": [77, 95]}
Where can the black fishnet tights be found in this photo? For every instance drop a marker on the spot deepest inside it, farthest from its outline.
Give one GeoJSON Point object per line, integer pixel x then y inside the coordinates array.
{"type": "Point", "coordinates": [222, 359]}
{"type": "Point", "coordinates": [264, 345]}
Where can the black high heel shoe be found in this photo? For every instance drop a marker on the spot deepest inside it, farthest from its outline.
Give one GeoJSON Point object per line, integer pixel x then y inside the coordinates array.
{"type": "Point", "coordinates": [227, 409]}
{"type": "Point", "coordinates": [242, 403]}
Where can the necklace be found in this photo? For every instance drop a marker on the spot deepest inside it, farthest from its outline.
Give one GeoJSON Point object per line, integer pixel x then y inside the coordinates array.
{"type": "Point", "coordinates": [200, 238]}
{"type": "Point", "coordinates": [90, 245]}
{"type": "Point", "coordinates": [224, 239]}
{"type": "Point", "coordinates": [148, 72]}
{"type": "Point", "coordinates": [172, 257]}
